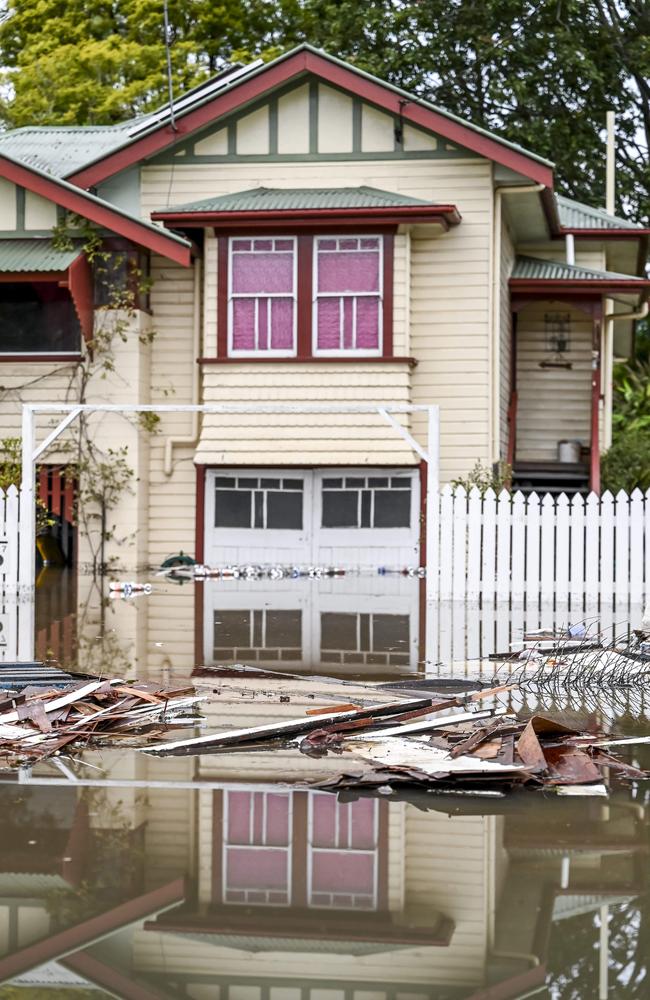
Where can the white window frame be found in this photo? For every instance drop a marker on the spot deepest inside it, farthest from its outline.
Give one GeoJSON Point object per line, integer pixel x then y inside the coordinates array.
{"type": "Point", "coordinates": [350, 352]}
{"type": "Point", "coordinates": [288, 848]}
{"type": "Point", "coordinates": [267, 353]}
{"type": "Point", "coordinates": [372, 852]}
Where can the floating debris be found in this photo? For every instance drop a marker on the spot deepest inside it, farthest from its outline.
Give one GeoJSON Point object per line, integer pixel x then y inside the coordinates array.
{"type": "Point", "coordinates": [446, 742]}
{"type": "Point", "coordinates": [36, 724]}
{"type": "Point", "coordinates": [198, 571]}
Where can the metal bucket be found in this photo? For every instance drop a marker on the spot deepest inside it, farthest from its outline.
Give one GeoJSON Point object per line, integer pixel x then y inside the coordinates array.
{"type": "Point", "coordinates": [569, 451]}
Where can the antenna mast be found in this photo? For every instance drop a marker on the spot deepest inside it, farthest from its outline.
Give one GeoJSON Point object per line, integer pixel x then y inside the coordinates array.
{"type": "Point", "coordinates": [170, 86]}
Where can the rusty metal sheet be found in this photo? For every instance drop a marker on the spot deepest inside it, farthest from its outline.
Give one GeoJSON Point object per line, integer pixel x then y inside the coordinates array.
{"type": "Point", "coordinates": [529, 748]}
{"type": "Point", "coordinates": [569, 766]}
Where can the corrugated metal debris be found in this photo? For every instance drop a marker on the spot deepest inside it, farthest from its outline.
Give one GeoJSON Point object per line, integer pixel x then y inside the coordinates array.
{"type": "Point", "coordinates": [441, 742]}
{"type": "Point", "coordinates": [38, 723]}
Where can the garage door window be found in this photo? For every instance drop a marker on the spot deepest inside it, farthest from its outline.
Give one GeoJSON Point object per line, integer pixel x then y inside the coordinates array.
{"type": "Point", "coordinates": [258, 502]}
{"type": "Point", "coordinates": [261, 635]}
{"type": "Point", "coordinates": [366, 502]}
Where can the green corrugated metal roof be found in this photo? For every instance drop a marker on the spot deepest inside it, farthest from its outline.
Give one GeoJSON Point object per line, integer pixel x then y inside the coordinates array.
{"type": "Point", "coordinates": [62, 150]}
{"type": "Point", "coordinates": [321, 946]}
{"type": "Point", "coordinates": [263, 199]}
{"type": "Point", "coordinates": [576, 215]}
{"type": "Point", "coordinates": [553, 270]}
{"type": "Point", "coordinates": [35, 254]}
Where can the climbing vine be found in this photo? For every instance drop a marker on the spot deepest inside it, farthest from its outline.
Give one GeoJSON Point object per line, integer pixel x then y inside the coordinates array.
{"type": "Point", "coordinates": [102, 470]}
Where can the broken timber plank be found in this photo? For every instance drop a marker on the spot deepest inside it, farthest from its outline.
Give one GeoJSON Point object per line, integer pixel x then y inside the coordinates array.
{"type": "Point", "coordinates": [288, 727]}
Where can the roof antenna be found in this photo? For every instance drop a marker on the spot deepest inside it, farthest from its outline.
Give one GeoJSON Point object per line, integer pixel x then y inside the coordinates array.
{"type": "Point", "coordinates": [170, 86]}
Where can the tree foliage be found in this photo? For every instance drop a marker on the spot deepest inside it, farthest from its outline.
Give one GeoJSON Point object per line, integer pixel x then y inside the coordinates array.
{"type": "Point", "coordinates": [540, 72]}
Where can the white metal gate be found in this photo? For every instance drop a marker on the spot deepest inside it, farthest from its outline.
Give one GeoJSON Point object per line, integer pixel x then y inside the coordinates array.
{"type": "Point", "coordinates": [353, 518]}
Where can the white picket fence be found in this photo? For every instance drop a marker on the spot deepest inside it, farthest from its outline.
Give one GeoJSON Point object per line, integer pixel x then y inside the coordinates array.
{"type": "Point", "coordinates": [9, 535]}
{"type": "Point", "coordinates": [544, 549]}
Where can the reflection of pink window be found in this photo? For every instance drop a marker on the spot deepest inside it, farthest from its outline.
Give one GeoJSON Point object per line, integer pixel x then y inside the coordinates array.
{"type": "Point", "coordinates": [347, 294]}
{"type": "Point", "coordinates": [342, 864]}
{"type": "Point", "coordinates": [262, 294]}
{"type": "Point", "coordinates": [256, 848]}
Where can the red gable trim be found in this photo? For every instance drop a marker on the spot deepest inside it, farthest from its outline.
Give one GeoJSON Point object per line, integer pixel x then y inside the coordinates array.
{"type": "Point", "coordinates": [579, 285]}
{"type": "Point", "coordinates": [108, 978]}
{"type": "Point", "coordinates": [330, 72]}
{"type": "Point", "coordinates": [442, 215]}
{"type": "Point", "coordinates": [80, 935]}
{"type": "Point", "coordinates": [95, 211]}
{"type": "Point", "coordinates": [80, 284]}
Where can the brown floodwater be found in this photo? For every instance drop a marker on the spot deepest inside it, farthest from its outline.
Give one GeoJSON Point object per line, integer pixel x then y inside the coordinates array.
{"type": "Point", "coordinates": [225, 877]}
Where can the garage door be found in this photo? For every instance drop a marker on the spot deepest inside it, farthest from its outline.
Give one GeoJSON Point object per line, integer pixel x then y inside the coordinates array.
{"type": "Point", "coordinates": [353, 518]}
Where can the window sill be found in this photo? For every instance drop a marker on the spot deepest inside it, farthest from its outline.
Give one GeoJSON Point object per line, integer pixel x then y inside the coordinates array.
{"type": "Point", "coordinates": [42, 358]}
{"type": "Point", "coordinates": [317, 359]}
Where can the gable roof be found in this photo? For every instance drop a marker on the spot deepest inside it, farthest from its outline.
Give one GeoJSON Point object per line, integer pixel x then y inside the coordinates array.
{"type": "Point", "coordinates": [96, 210]}
{"type": "Point", "coordinates": [576, 217]}
{"type": "Point", "coordinates": [256, 81]}
{"type": "Point", "coordinates": [304, 205]}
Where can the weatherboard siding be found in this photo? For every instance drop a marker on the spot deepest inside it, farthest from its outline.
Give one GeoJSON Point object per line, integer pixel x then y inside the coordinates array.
{"type": "Point", "coordinates": [171, 498]}
{"type": "Point", "coordinates": [441, 315]}
{"type": "Point", "coordinates": [450, 315]}
{"type": "Point", "coordinates": [301, 438]}
{"type": "Point", "coordinates": [431, 845]}
{"type": "Point", "coordinates": [553, 403]}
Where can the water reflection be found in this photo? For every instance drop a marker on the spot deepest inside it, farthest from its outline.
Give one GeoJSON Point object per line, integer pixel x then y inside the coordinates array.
{"type": "Point", "coordinates": [224, 877]}
{"type": "Point", "coordinates": [210, 889]}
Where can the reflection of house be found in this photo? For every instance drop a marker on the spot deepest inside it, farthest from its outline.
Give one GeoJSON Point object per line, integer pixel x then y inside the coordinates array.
{"type": "Point", "coordinates": [342, 243]}
{"type": "Point", "coordinates": [339, 626]}
{"type": "Point", "coordinates": [292, 893]}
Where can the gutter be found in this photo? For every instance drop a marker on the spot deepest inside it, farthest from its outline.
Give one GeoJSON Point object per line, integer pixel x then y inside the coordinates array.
{"type": "Point", "coordinates": [191, 440]}
{"type": "Point", "coordinates": [495, 339]}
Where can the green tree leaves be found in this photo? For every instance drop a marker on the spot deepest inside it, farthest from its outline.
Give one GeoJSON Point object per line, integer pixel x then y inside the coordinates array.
{"type": "Point", "coordinates": [539, 72]}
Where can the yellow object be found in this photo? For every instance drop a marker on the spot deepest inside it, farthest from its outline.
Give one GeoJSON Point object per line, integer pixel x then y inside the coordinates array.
{"type": "Point", "coordinates": [50, 551]}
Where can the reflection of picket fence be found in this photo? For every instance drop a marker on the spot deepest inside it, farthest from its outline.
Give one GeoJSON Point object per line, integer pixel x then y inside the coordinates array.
{"type": "Point", "coordinates": [544, 548]}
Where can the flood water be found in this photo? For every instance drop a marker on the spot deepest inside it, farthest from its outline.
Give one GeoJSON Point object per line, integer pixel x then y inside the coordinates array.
{"type": "Point", "coordinates": [224, 877]}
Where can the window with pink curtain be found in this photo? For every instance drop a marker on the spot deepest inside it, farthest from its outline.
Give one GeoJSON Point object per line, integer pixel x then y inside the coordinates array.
{"type": "Point", "coordinates": [262, 296]}
{"type": "Point", "coordinates": [256, 848]}
{"type": "Point", "coordinates": [343, 848]}
{"type": "Point", "coordinates": [347, 294]}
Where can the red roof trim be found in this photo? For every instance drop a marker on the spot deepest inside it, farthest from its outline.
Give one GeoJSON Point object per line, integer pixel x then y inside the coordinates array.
{"type": "Point", "coordinates": [442, 215]}
{"type": "Point", "coordinates": [106, 977]}
{"type": "Point", "coordinates": [82, 204]}
{"type": "Point", "coordinates": [82, 934]}
{"type": "Point", "coordinates": [578, 284]}
{"type": "Point", "coordinates": [340, 76]}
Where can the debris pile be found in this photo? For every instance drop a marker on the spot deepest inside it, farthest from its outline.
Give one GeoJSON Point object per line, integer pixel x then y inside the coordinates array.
{"type": "Point", "coordinates": [442, 743]}
{"type": "Point", "coordinates": [38, 723]}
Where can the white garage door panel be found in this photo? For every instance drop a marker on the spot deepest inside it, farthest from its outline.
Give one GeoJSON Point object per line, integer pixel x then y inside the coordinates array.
{"type": "Point", "coordinates": [352, 518]}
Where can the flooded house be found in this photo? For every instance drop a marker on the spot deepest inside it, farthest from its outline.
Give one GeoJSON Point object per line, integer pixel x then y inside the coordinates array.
{"type": "Point", "coordinates": [309, 234]}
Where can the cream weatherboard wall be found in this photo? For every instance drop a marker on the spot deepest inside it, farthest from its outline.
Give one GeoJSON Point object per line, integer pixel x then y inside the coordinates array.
{"type": "Point", "coordinates": [441, 319]}
{"type": "Point", "coordinates": [554, 404]}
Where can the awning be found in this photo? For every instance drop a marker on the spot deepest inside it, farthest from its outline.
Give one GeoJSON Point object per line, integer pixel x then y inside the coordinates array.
{"type": "Point", "coordinates": [532, 274]}
{"type": "Point", "coordinates": [309, 206]}
{"type": "Point", "coordinates": [40, 259]}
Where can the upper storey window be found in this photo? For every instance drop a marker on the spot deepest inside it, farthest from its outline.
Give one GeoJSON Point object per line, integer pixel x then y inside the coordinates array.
{"type": "Point", "coordinates": [348, 295]}
{"type": "Point", "coordinates": [305, 296]}
{"type": "Point", "coordinates": [262, 305]}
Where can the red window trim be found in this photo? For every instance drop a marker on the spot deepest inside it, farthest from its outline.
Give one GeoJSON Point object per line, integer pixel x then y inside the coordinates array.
{"type": "Point", "coordinates": [304, 304]}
